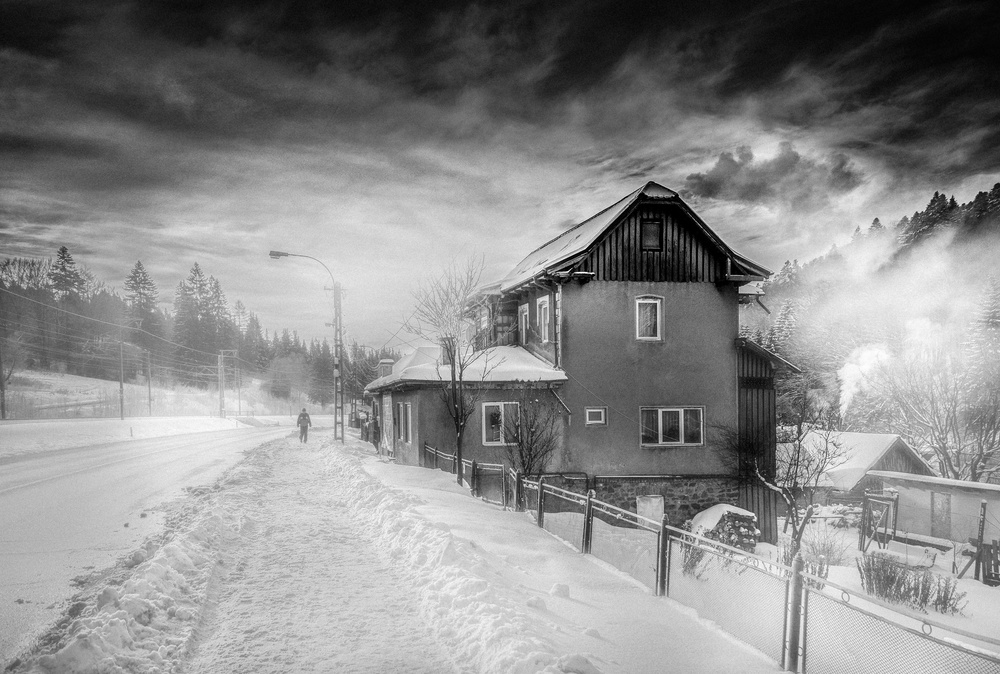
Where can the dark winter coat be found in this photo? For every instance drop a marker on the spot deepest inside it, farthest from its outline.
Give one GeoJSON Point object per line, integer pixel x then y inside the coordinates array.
{"type": "Point", "coordinates": [304, 420]}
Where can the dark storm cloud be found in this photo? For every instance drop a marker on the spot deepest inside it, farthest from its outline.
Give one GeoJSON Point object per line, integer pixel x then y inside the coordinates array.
{"type": "Point", "coordinates": [55, 146]}
{"type": "Point", "coordinates": [788, 178]}
{"type": "Point", "coordinates": [34, 26]}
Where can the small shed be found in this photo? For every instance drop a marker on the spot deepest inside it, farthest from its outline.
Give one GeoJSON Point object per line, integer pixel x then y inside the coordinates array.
{"type": "Point", "coordinates": [941, 507]}
{"type": "Point", "coordinates": [857, 454]}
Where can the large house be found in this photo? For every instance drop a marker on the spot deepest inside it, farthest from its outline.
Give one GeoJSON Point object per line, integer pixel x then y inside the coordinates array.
{"type": "Point", "coordinates": [630, 320]}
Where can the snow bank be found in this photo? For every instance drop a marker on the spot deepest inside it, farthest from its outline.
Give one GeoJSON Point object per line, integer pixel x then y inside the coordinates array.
{"type": "Point", "coordinates": [147, 615]}
{"type": "Point", "coordinates": [143, 625]}
{"type": "Point", "coordinates": [482, 630]}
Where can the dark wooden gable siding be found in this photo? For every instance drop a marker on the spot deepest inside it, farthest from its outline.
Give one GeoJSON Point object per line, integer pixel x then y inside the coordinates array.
{"type": "Point", "coordinates": [686, 256]}
{"type": "Point", "coordinates": [757, 419]}
{"type": "Point", "coordinates": [899, 460]}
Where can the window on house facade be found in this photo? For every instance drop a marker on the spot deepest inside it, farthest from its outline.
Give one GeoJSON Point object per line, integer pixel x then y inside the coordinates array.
{"type": "Point", "coordinates": [595, 416]}
{"type": "Point", "coordinates": [402, 422]}
{"type": "Point", "coordinates": [542, 316]}
{"type": "Point", "coordinates": [672, 425]}
{"type": "Point", "coordinates": [651, 234]}
{"type": "Point", "coordinates": [648, 318]}
{"type": "Point", "coordinates": [522, 323]}
{"type": "Point", "coordinates": [498, 420]}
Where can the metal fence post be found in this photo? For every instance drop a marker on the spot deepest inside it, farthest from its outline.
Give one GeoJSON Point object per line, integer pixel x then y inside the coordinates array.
{"type": "Point", "coordinates": [473, 487]}
{"type": "Point", "coordinates": [518, 491]}
{"type": "Point", "coordinates": [980, 546]}
{"type": "Point", "coordinates": [661, 559]}
{"type": "Point", "coordinates": [588, 522]}
{"type": "Point", "coordinates": [435, 460]}
{"type": "Point", "coordinates": [794, 628]}
{"type": "Point", "coordinates": [541, 501]}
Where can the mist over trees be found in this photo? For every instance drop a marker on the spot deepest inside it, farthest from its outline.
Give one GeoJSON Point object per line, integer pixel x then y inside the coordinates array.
{"type": "Point", "coordinates": [54, 315]}
{"type": "Point", "coordinates": [897, 331]}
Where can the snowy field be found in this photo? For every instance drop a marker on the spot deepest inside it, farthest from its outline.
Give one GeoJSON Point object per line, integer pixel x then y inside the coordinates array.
{"type": "Point", "coordinates": [320, 557]}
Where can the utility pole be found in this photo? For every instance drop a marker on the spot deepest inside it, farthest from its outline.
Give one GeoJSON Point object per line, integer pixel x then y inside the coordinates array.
{"type": "Point", "coordinates": [3, 385]}
{"type": "Point", "coordinates": [239, 387]}
{"type": "Point", "coordinates": [338, 381]}
{"type": "Point", "coordinates": [3, 378]}
{"type": "Point", "coordinates": [222, 386]}
{"type": "Point", "coordinates": [149, 380]}
{"type": "Point", "coordinates": [222, 377]}
{"type": "Point", "coordinates": [121, 374]}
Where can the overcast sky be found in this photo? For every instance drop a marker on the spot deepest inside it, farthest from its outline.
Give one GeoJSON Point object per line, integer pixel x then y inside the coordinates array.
{"type": "Point", "coordinates": [389, 143]}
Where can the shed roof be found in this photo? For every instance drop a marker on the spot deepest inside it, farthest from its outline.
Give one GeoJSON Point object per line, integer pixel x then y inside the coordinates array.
{"type": "Point", "coordinates": [860, 452]}
{"type": "Point", "coordinates": [493, 365]}
{"type": "Point", "coordinates": [776, 361]}
{"type": "Point", "coordinates": [578, 238]}
{"type": "Point", "coordinates": [931, 480]}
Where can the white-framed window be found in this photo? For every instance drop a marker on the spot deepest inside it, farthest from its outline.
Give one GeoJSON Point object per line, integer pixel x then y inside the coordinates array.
{"type": "Point", "coordinates": [542, 318]}
{"type": "Point", "coordinates": [595, 416]}
{"type": "Point", "coordinates": [672, 425]}
{"type": "Point", "coordinates": [403, 419]}
{"type": "Point", "coordinates": [522, 323]}
{"type": "Point", "coordinates": [649, 318]}
{"type": "Point", "coordinates": [498, 422]}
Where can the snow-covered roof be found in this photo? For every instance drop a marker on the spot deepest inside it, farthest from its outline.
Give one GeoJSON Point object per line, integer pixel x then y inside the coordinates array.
{"type": "Point", "coordinates": [577, 239]}
{"type": "Point", "coordinates": [496, 364]}
{"type": "Point", "coordinates": [935, 480]}
{"type": "Point", "coordinates": [858, 452]}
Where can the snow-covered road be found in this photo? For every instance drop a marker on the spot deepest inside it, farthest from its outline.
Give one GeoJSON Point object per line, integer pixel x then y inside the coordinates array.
{"type": "Point", "coordinates": [322, 558]}
{"type": "Point", "coordinates": [70, 511]}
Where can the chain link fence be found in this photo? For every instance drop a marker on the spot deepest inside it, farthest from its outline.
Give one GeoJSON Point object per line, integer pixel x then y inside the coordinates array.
{"type": "Point", "coordinates": [564, 514]}
{"type": "Point", "coordinates": [626, 541]}
{"type": "Point", "coordinates": [802, 621]}
{"type": "Point", "coordinates": [840, 637]}
{"type": "Point", "coordinates": [744, 594]}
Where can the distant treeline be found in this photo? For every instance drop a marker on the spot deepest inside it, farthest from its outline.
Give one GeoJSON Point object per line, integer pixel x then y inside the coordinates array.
{"type": "Point", "coordinates": [897, 331]}
{"type": "Point", "coordinates": [55, 315]}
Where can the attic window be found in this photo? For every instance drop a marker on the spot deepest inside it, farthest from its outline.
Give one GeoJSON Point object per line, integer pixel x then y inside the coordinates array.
{"type": "Point", "coordinates": [651, 230]}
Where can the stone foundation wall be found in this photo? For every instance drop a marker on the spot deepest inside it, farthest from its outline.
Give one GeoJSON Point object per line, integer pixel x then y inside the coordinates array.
{"type": "Point", "coordinates": [683, 497]}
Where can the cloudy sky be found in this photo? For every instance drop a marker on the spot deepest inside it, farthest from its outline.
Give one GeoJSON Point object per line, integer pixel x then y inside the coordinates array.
{"type": "Point", "coordinates": [392, 142]}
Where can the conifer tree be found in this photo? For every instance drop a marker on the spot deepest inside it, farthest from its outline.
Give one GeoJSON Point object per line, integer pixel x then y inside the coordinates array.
{"type": "Point", "coordinates": [65, 278]}
{"type": "Point", "coordinates": [141, 297]}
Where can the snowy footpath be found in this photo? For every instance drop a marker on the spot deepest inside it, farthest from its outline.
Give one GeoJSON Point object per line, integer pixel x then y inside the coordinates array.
{"type": "Point", "coordinates": [321, 558]}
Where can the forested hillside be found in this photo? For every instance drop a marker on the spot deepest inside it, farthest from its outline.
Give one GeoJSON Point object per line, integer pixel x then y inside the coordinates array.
{"type": "Point", "coordinates": [56, 316]}
{"type": "Point", "coordinates": [897, 331]}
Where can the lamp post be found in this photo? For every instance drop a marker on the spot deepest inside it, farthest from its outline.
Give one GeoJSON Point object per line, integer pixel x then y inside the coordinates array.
{"type": "Point", "coordinates": [338, 393]}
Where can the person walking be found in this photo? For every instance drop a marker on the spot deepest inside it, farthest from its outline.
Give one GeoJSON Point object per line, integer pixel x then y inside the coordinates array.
{"type": "Point", "coordinates": [304, 422]}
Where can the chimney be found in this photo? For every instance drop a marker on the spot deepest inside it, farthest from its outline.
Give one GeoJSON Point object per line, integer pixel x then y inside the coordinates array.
{"type": "Point", "coordinates": [385, 367]}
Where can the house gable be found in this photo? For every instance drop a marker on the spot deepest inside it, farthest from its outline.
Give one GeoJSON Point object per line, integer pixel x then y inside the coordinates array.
{"type": "Point", "coordinates": [683, 254]}
{"type": "Point", "coordinates": [610, 246]}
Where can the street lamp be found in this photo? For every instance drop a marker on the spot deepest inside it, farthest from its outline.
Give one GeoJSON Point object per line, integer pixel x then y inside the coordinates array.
{"type": "Point", "coordinates": [338, 393]}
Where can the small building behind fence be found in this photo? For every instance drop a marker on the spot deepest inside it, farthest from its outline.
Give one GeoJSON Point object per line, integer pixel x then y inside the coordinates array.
{"type": "Point", "coordinates": [941, 507]}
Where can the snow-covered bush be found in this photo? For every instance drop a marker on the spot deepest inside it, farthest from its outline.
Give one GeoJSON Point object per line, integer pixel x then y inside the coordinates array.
{"type": "Point", "coordinates": [824, 543]}
{"type": "Point", "coordinates": [883, 576]}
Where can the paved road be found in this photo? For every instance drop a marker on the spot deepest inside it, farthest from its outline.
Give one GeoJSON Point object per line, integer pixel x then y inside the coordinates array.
{"type": "Point", "coordinates": [65, 513]}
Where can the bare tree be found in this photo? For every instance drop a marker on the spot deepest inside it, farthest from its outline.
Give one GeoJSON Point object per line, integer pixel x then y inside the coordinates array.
{"type": "Point", "coordinates": [533, 433]}
{"type": "Point", "coordinates": [934, 400]}
{"type": "Point", "coordinates": [443, 316]}
{"type": "Point", "coordinates": [802, 462]}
